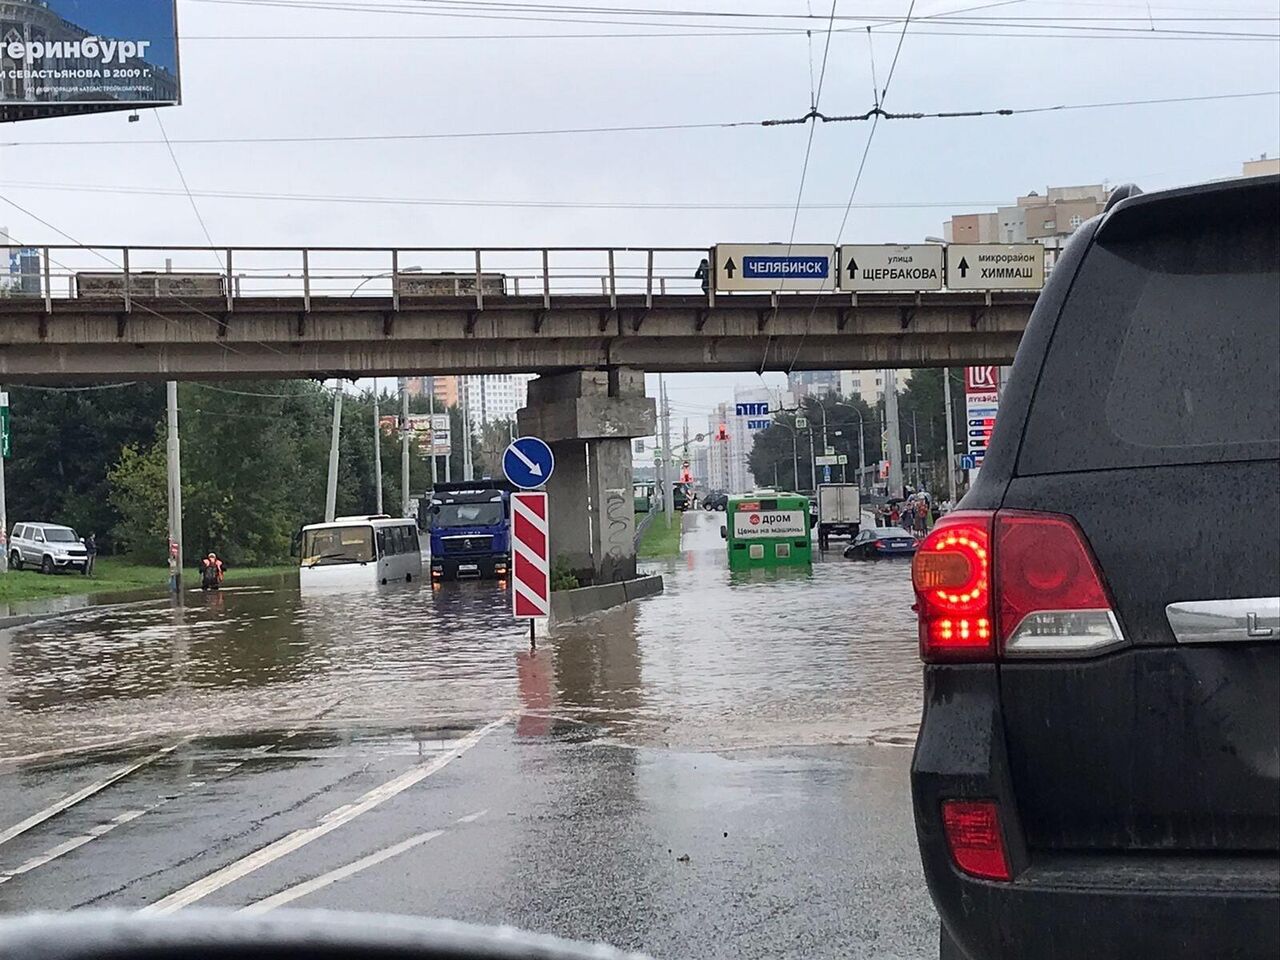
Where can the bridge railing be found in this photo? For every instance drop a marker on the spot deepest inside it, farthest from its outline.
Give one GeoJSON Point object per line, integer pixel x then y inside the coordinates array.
{"type": "Point", "coordinates": [61, 272]}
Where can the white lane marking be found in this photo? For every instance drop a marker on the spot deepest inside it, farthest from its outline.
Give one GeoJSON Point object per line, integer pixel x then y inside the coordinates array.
{"type": "Point", "coordinates": [53, 853]}
{"type": "Point", "coordinates": [341, 873]}
{"type": "Point", "coordinates": [289, 894]}
{"type": "Point", "coordinates": [328, 823]}
{"type": "Point", "coordinates": [63, 751]}
{"type": "Point", "coordinates": [71, 799]}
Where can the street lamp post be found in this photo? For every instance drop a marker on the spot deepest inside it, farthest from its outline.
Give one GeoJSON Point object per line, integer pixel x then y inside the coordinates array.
{"type": "Point", "coordinates": [862, 456]}
{"type": "Point", "coordinates": [379, 276]}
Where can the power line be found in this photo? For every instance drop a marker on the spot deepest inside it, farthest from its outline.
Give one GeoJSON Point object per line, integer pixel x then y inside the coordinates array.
{"type": "Point", "coordinates": [182, 177]}
{"type": "Point", "coordinates": [554, 12]}
{"type": "Point", "coordinates": [389, 137]}
{"type": "Point", "coordinates": [488, 203]}
{"type": "Point", "coordinates": [878, 112]}
{"type": "Point", "coordinates": [862, 164]}
{"type": "Point", "coordinates": [816, 99]}
{"type": "Point", "coordinates": [719, 125]}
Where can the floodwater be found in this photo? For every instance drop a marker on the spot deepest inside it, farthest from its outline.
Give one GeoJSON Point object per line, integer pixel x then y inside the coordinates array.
{"type": "Point", "coordinates": [719, 661]}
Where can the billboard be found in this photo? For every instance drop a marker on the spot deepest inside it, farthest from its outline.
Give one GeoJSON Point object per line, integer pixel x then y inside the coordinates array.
{"type": "Point", "coordinates": [429, 433]}
{"type": "Point", "coordinates": [63, 57]}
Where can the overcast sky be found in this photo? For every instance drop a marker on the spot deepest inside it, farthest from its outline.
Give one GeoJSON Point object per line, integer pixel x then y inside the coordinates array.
{"type": "Point", "coordinates": [405, 67]}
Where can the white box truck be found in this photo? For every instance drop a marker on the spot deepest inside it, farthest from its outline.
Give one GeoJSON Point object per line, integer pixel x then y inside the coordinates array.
{"type": "Point", "coordinates": [839, 511]}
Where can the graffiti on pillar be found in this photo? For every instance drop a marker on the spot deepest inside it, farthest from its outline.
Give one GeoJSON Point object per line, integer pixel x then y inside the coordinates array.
{"type": "Point", "coordinates": [619, 519]}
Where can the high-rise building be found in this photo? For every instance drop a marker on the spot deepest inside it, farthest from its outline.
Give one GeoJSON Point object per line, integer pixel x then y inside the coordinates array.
{"type": "Point", "coordinates": [1046, 219]}
{"type": "Point", "coordinates": [813, 383]}
{"type": "Point", "coordinates": [444, 389]}
{"type": "Point", "coordinates": [868, 385]}
{"type": "Point", "coordinates": [495, 396]}
{"type": "Point", "coordinates": [731, 432]}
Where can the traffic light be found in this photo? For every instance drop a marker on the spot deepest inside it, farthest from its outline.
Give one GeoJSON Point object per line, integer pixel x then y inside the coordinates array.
{"type": "Point", "coordinates": [722, 433]}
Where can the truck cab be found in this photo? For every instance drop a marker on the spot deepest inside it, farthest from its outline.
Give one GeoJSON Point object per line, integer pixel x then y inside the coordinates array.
{"type": "Point", "coordinates": [469, 523]}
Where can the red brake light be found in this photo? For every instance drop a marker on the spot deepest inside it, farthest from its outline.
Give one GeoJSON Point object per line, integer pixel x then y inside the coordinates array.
{"type": "Point", "coordinates": [951, 574]}
{"type": "Point", "coordinates": [1014, 583]}
{"type": "Point", "coordinates": [974, 837]}
{"type": "Point", "coordinates": [1051, 597]}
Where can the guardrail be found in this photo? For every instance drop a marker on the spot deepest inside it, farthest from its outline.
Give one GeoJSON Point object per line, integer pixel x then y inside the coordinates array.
{"type": "Point", "coordinates": [78, 272]}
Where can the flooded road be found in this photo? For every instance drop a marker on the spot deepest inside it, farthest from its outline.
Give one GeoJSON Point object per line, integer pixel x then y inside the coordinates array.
{"type": "Point", "coordinates": [718, 661]}
{"type": "Point", "coordinates": [718, 771]}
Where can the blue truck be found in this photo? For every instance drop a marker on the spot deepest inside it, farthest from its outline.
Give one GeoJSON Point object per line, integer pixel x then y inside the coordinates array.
{"type": "Point", "coordinates": [470, 529]}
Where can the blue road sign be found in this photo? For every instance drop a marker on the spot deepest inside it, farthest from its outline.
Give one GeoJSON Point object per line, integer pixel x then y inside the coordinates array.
{"type": "Point", "coordinates": [826, 474]}
{"type": "Point", "coordinates": [785, 268]}
{"type": "Point", "coordinates": [528, 462]}
{"type": "Point", "coordinates": [969, 461]}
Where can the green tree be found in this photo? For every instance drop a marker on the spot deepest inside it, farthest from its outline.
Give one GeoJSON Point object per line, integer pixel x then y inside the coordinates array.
{"type": "Point", "coordinates": [138, 494]}
{"type": "Point", "coordinates": [922, 418]}
{"type": "Point", "coordinates": [64, 444]}
{"type": "Point", "coordinates": [772, 455]}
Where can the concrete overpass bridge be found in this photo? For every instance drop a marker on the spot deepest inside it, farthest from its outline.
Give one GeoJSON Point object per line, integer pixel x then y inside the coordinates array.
{"type": "Point", "coordinates": [100, 313]}
{"type": "Point", "coordinates": [590, 321]}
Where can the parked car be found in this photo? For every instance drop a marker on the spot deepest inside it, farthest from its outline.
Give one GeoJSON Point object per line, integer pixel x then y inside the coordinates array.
{"type": "Point", "coordinates": [48, 546]}
{"type": "Point", "coordinates": [1097, 772]}
{"type": "Point", "coordinates": [881, 542]}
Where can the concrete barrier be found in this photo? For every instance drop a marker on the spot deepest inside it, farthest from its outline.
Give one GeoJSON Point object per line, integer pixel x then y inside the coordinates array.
{"type": "Point", "coordinates": [572, 604]}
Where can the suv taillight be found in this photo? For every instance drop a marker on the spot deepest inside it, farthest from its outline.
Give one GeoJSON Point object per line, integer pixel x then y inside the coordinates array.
{"type": "Point", "coordinates": [1012, 582]}
{"type": "Point", "coordinates": [951, 574]}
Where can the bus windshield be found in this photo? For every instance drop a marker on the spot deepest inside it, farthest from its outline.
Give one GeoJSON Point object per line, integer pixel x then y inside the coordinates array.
{"type": "Point", "coordinates": [469, 514]}
{"type": "Point", "coordinates": [328, 545]}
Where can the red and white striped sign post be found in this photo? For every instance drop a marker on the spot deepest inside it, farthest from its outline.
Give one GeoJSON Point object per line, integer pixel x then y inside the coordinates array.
{"type": "Point", "coordinates": [530, 558]}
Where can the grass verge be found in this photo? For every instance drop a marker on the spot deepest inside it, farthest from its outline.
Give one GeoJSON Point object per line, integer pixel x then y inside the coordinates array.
{"type": "Point", "coordinates": [110, 575]}
{"type": "Point", "coordinates": [659, 540]}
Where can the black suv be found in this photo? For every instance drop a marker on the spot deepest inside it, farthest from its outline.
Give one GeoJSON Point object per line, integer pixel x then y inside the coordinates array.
{"type": "Point", "coordinates": [1098, 768]}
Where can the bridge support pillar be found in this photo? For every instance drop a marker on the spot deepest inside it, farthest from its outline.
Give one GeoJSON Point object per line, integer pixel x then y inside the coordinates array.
{"type": "Point", "coordinates": [589, 418]}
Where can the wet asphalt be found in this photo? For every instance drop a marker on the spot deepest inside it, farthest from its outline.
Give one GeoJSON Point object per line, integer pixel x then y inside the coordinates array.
{"type": "Point", "coordinates": [720, 771]}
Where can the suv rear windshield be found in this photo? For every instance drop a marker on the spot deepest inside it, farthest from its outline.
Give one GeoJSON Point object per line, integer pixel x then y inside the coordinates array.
{"type": "Point", "coordinates": [1167, 350]}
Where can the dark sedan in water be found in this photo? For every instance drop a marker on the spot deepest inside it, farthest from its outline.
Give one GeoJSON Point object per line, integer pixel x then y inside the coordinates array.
{"type": "Point", "coordinates": [881, 542]}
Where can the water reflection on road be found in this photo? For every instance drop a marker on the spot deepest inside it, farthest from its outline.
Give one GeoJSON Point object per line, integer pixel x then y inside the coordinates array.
{"type": "Point", "coordinates": [718, 661]}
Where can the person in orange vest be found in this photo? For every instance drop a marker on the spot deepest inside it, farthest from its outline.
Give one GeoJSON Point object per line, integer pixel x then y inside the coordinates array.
{"type": "Point", "coordinates": [211, 571]}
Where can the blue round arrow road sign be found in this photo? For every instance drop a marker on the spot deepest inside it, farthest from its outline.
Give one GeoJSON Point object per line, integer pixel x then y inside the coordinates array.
{"type": "Point", "coordinates": [528, 462]}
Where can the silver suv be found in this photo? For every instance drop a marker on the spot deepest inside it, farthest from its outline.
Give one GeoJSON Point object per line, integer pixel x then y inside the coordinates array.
{"type": "Point", "coordinates": [47, 546]}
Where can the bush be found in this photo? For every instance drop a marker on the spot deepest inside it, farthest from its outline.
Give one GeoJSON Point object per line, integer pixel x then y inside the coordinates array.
{"type": "Point", "coordinates": [562, 578]}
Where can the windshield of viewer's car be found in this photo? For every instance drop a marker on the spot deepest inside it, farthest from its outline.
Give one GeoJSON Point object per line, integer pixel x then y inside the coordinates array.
{"type": "Point", "coordinates": [330, 545]}
{"type": "Point", "coordinates": [469, 515]}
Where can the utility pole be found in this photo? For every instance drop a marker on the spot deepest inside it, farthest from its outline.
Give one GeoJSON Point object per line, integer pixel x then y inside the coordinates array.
{"type": "Point", "coordinates": [813, 465]}
{"type": "Point", "coordinates": [668, 494]}
{"type": "Point", "coordinates": [331, 491]}
{"type": "Point", "coordinates": [431, 409]}
{"type": "Point", "coordinates": [915, 448]}
{"type": "Point", "coordinates": [951, 436]}
{"type": "Point", "coordinates": [174, 457]}
{"type": "Point", "coordinates": [404, 447]}
{"type": "Point", "coordinates": [894, 453]}
{"type": "Point", "coordinates": [862, 457]}
{"type": "Point", "coordinates": [377, 447]}
{"type": "Point", "coordinates": [466, 430]}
